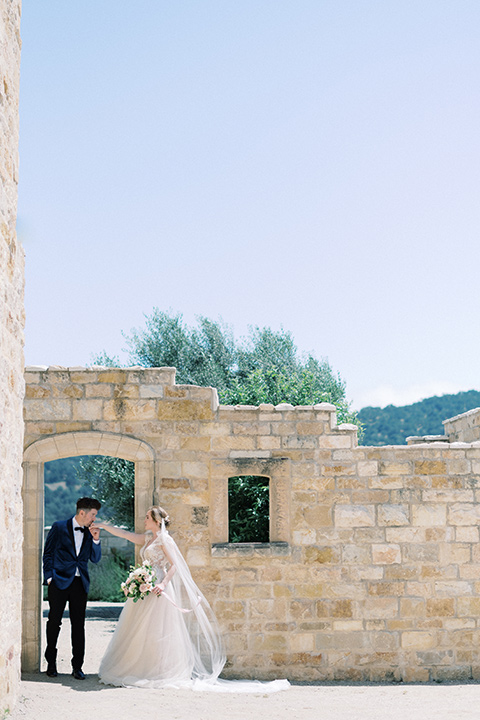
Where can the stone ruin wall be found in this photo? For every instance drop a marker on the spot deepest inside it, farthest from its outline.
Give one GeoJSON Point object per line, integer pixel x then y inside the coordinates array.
{"type": "Point", "coordinates": [373, 569]}
{"type": "Point", "coordinates": [11, 361]}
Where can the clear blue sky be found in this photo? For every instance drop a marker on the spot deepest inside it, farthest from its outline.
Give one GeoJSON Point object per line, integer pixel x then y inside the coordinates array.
{"type": "Point", "coordinates": [311, 164]}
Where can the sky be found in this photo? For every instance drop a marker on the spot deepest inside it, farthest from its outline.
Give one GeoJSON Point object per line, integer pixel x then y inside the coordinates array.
{"type": "Point", "coordinates": [311, 165]}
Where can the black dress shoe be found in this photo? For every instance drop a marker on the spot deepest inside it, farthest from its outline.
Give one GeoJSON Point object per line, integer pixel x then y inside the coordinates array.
{"type": "Point", "coordinates": [52, 671]}
{"type": "Point", "coordinates": [78, 675]}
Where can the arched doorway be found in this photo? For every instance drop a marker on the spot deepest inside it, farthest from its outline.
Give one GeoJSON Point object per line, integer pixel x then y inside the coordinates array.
{"type": "Point", "coordinates": [55, 447]}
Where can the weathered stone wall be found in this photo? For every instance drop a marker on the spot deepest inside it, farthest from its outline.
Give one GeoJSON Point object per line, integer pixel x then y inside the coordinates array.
{"type": "Point", "coordinates": [373, 569]}
{"type": "Point", "coordinates": [464, 427]}
{"type": "Point", "coordinates": [11, 361]}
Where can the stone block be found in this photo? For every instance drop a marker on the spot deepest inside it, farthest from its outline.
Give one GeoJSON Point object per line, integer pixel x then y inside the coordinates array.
{"type": "Point", "coordinates": [455, 553]}
{"type": "Point", "coordinates": [116, 376]}
{"type": "Point", "coordinates": [302, 642]}
{"type": "Point", "coordinates": [198, 556]}
{"type": "Point", "coordinates": [304, 537]}
{"type": "Point", "coordinates": [126, 410]}
{"type": "Point", "coordinates": [310, 428]}
{"type": "Point", "coordinates": [340, 609]}
{"type": "Point", "coordinates": [367, 468]}
{"type": "Point", "coordinates": [430, 467]}
{"type": "Point", "coordinates": [174, 483]}
{"type": "Point", "coordinates": [392, 515]}
{"type": "Point", "coordinates": [464, 514]}
{"type": "Point", "coordinates": [401, 572]}
{"type": "Point", "coordinates": [320, 555]}
{"type": "Point", "coordinates": [468, 606]}
{"type": "Point", "coordinates": [245, 592]}
{"type": "Point", "coordinates": [405, 534]}
{"type": "Point", "coordinates": [459, 467]}
{"type": "Point", "coordinates": [412, 607]}
{"type": "Point", "coordinates": [184, 410]}
{"type": "Point", "coordinates": [440, 534]}
{"type": "Point", "coordinates": [54, 410]}
{"type": "Point", "coordinates": [386, 589]}
{"type": "Point", "coordinates": [318, 515]}
{"type": "Point", "coordinates": [267, 442]}
{"type": "Point", "coordinates": [446, 495]}
{"type": "Point", "coordinates": [384, 642]}
{"type": "Point", "coordinates": [70, 390]}
{"type": "Point", "coordinates": [438, 572]}
{"type": "Point", "coordinates": [394, 468]}
{"type": "Point", "coordinates": [94, 390]}
{"type": "Point", "coordinates": [422, 552]}
{"type": "Point", "coordinates": [440, 607]}
{"type": "Point", "coordinates": [380, 608]}
{"type": "Point", "coordinates": [470, 571]}
{"type": "Point", "coordinates": [429, 515]}
{"type": "Point", "coordinates": [229, 610]}
{"type": "Point", "coordinates": [354, 515]}
{"type": "Point", "coordinates": [415, 675]}
{"type": "Point", "coordinates": [38, 391]}
{"type": "Point", "coordinates": [355, 554]}
{"type": "Point", "coordinates": [453, 588]}
{"type": "Point", "coordinates": [194, 470]}
{"type": "Point", "coordinates": [386, 554]}
{"type": "Point", "coordinates": [388, 482]}
{"type": "Point", "coordinates": [467, 534]}
{"type": "Point", "coordinates": [418, 640]}
{"type": "Point", "coordinates": [263, 643]}
{"type": "Point", "coordinates": [347, 625]}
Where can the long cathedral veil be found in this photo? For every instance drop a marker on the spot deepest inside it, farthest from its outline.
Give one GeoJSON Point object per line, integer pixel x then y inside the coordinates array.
{"type": "Point", "coordinates": [204, 631]}
{"type": "Point", "coordinates": [200, 621]}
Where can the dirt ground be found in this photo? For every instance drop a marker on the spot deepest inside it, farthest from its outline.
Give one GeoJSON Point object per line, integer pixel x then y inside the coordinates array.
{"type": "Point", "coordinates": [64, 697]}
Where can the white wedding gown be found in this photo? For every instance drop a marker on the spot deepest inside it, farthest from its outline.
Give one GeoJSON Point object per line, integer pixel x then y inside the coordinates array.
{"type": "Point", "coordinates": [171, 641]}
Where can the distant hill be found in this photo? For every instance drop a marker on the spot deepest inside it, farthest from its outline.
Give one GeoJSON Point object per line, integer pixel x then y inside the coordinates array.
{"type": "Point", "coordinates": [391, 425]}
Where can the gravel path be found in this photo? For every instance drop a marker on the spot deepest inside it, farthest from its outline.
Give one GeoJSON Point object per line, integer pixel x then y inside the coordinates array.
{"type": "Point", "coordinates": [42, 698]}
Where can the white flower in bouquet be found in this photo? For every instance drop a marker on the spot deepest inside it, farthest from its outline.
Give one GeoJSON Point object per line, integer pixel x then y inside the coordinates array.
{"type": "Point", "coordinates": [140, 582]}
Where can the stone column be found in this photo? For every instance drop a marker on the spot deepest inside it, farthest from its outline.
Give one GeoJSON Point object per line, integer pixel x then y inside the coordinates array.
{"type": "Point", "coordinates": [32, 564]}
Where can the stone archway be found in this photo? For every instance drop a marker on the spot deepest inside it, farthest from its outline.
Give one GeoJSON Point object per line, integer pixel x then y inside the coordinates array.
{"type": "Point", "coordinates": [55, 447]}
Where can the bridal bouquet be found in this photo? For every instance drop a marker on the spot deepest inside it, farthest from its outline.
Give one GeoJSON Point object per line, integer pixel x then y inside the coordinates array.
{"type": "Point", "coordinates": [140, 582]}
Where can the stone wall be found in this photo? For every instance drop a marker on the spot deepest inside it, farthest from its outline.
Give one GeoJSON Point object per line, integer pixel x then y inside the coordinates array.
{"type": "Point", "coordinates": [372, 571]}
{"type": "Point", "coordinates": [464, 427]}
{"type": "Point", "coordinates": [11, 360]}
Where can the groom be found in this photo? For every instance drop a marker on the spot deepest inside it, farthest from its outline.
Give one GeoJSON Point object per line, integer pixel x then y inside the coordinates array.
{"type": "Point", "coordinates": [69, 546]}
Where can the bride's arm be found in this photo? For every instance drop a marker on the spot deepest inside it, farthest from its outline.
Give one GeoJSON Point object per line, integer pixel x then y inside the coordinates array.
{"type": "Point", "coordinates": [137, 538]}
{"type": "Point", "coordinates": [171, 572]}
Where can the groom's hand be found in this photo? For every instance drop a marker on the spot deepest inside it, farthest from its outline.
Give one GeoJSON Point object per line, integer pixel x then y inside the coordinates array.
{"type": "Point", "coordinates": [95, 532]}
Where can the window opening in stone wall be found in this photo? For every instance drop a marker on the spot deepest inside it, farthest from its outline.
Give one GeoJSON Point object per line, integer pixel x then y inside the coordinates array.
{"type": "Point", "coordinates": [112, 481]}
{"type": "Point", "coordinates": [248, 509]}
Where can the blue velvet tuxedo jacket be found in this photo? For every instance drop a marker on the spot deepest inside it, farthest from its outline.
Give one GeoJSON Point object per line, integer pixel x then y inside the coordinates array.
{"type": "Point", "coordinates": [60, 560]}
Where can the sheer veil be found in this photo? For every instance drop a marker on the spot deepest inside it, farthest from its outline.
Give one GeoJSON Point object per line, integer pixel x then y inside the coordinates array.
{"type": "Point", "coordinates": [201, 623]}
{"type": "Point", "coordinates": [204, 631]}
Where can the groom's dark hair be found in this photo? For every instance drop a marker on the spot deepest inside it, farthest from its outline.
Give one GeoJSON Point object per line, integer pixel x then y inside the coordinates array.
{"type": "Point", "coordinates": [87, 503]}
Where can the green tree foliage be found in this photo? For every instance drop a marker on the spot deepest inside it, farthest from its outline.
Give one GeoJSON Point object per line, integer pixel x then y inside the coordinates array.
{"type": "Point", "coordinates": [263, 368]}
{"type": "Point", "coordinates": [112, 481]}
{"type": "Point", "coordinates": [62, 488]}
{"type": "Point", "coordinates": [392, 425]}
{"type": "Point", "coordinates": [248, 509]}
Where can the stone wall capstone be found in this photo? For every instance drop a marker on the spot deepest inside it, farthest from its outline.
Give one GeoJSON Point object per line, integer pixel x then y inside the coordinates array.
{"type": "Point", "coordinates": [11, 361]}
{"type": "Point", "coordinates": [372, 571]}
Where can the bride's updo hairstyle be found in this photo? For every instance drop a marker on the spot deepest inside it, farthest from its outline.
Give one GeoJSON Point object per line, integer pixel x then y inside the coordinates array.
{"type": "Point", "coordinates": [159, 514]}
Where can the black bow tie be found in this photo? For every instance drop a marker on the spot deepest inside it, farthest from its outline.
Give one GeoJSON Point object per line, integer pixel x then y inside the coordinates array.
{"type": "Point", "coordinates": [82, 529]}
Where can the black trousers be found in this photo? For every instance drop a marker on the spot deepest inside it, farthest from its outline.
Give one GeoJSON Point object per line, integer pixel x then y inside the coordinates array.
{"type": "Point", "coordinates": [77, 602]}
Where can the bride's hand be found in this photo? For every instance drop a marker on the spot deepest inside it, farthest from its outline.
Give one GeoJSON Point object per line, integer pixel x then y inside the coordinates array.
{"type": "Point", "coordinates": [158, 589]}
{"type": "Point", "coordinates": [100, 524]}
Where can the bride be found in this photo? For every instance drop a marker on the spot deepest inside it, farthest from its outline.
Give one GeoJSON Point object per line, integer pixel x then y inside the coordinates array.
{"type": "Point", "coordinates": [171, 637]}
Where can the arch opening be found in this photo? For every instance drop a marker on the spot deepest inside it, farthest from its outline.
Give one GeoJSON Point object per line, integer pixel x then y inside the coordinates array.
{"type": "Point", "coordinates": [56, 447]}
